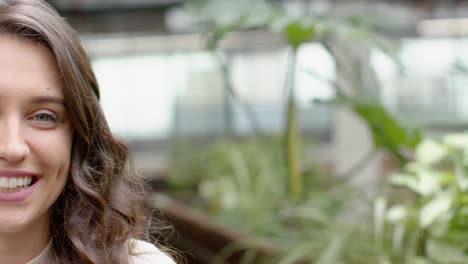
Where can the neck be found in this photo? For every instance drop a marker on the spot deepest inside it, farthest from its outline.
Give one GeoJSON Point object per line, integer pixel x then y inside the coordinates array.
{"type": "Point", "coordinates": [21, 247]}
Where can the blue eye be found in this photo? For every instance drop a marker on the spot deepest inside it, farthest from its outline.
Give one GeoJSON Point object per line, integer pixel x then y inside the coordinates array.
{"type": "Point", "coordinates": [45, 118]}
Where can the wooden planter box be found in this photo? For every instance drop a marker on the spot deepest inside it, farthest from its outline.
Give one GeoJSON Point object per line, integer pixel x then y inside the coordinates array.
{"type": "Point", "coordinates": [199, 237]}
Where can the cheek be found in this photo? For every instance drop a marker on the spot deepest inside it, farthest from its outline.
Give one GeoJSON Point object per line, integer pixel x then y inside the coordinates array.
{"type": "Point", "coordinates": [51, 150]}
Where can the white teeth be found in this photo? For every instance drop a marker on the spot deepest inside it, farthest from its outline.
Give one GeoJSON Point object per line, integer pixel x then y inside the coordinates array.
{"type": "Point", "coordinates": [14, 182]}
{"type": "Point", "coordinates": [3, 182]}
{"type": "Point", "coordinates": [19, 182]}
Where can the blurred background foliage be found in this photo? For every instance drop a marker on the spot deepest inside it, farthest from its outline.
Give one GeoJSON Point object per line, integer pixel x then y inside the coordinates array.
{"type": "Point", "coordinates": [264, 180]}
{"type": "Point", "coordinates": [322, 128]}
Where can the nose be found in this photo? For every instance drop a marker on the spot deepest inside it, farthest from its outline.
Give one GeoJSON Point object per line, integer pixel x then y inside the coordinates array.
{"type": "Point", "coordinates": [13, 146]}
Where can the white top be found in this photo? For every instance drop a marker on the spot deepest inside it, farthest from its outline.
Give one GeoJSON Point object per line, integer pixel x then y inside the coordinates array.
{"type": "Point", "coordinates": [145, 253]}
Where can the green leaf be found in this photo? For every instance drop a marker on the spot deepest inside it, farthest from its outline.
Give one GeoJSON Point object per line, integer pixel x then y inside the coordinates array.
{"type": "Point", "coordinates": [396, 214]}
{"type": "Point", "coordinates": [296, 33]}
{"type": "Point", "coordinates": [380, 206]}
{"type": "Point", "coordinates": [461, 175]}
{"type": "Point", "coordinates": [386, 129]}
{"type": "Point", "coordinates": [444, 252]}
{"type": "Point", "coordinates": [387, 132]}
{"type": "Point", "coordinates": [419, 260]}
{"type": "Point", "coordinates": [334, 250]}
{"type": "Point", "coordinates": [398, 237]}
{"type": "Point", "coordinates": [297, 254]}
{"type": "Point", "coordinates": [429, 152]}
{"type": "Point", "coordinates": [431, 211]}
{"type": "Point", "coordinates": [424, 183]}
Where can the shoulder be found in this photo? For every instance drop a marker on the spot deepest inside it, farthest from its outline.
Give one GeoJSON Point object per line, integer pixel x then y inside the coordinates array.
{"type": "Point", "coordinates": [147, 253]}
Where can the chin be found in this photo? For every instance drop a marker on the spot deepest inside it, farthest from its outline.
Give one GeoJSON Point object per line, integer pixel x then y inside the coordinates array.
{"type": "Point", "coordinates": [13, 221]}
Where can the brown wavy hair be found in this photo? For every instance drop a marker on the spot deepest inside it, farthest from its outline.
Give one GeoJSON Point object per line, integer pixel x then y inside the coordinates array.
{"type": "Point", "coordinates": [103, 204]}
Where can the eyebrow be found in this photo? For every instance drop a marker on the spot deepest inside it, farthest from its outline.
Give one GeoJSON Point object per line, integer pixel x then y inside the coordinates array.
{"type": "Point", "coordinates": [48, 99]}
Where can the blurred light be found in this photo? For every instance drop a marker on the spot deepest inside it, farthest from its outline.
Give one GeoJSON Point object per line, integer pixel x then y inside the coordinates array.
{"type": "Point", "coordinates": [295, 8]}
{"type": "Point", "coordinates": [443, 27]}
{"type": "Point", "coordinates": [321, 6]}
{"type": "Point", "coordinates": [178, 20]}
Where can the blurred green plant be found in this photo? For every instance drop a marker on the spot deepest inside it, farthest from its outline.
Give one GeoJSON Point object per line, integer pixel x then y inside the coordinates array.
{"type": "Point", "coordinates": [220, 17]}
{"type": "Point", "coordinates": [217, 18]}
{"type": "Point", "coordinates": [286, 202]}
{"type": "Point", "coordinates": [242, 181]}
{"type": "Point", "coordinates": [359, 90]}
{"type": "Point", "coordinates": [432, 227]}
{"type": "Point", "coordinates": [423, 220]}
{"type": "Point", "coordinates": [237, 174]}
{"type": "Point", "coordinates": [296, 34]}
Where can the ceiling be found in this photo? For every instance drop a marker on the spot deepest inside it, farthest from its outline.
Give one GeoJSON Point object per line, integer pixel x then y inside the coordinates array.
{"type": "Point", "coordinates": [92, 5]}
{"type": "Point", "coordinates": [110, 16]}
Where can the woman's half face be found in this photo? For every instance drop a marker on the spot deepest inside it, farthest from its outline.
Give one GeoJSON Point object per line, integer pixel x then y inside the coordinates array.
{"type": "Point", "coordinates": [35, 135]}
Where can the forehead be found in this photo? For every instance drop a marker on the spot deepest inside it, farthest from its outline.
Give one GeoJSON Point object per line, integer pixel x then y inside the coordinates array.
{"type": "Point", "coordinates": [27, 66]}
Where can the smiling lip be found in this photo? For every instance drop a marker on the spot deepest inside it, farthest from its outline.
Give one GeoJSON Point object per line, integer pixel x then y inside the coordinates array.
{"type": "Point", "coordinates": [22, 194]}
{"type": "Point", "coordinates": [16, 173]}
